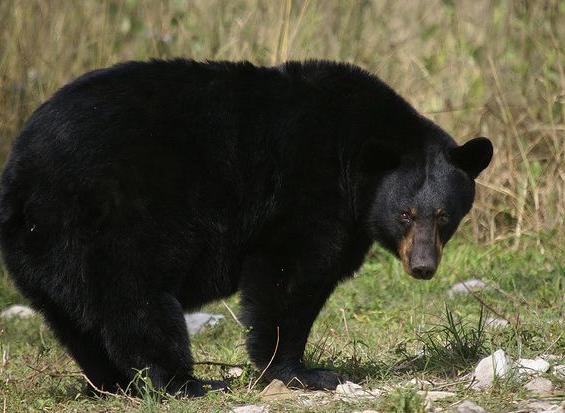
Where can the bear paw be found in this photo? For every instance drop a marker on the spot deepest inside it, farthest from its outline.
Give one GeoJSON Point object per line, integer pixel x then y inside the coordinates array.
{"type": "Point", "coordinates": [313, 379]}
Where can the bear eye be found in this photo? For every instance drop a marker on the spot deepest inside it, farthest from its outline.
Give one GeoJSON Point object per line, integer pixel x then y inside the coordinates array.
{"type": "Point", "coordinates": [405, 217]}
{"type": "Point", "coordinates": [442, 218]}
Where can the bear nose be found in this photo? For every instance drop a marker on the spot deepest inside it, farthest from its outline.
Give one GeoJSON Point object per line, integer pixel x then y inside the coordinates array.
{"type": "Point", "coordinates": [423, 272]}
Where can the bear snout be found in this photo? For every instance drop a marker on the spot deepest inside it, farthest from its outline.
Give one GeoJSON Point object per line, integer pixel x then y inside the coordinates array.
{"type": "Point", "coordinates": [420, 251]}
{"type": "Point", "coordinates": [423, 271]}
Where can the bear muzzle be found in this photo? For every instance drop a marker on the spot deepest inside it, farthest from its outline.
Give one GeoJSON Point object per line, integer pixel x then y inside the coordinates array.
{"type": "Point", "coordinates": [420, 250]}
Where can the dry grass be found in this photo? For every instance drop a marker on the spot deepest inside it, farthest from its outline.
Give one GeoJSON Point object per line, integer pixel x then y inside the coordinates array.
{"type": "Point", "coordinates": [492, 68]}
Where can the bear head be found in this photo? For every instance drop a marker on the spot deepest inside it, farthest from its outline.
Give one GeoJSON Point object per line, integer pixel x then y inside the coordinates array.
{"type": "Point", "coordinates": [421, 199]}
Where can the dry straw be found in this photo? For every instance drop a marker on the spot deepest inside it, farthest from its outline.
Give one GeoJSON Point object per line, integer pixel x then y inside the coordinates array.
{"type": "Point", "coordinates": [492, 68]}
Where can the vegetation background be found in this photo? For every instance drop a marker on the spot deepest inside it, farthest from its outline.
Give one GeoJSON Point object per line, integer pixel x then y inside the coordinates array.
{"type": "Point", "coordinates": [491, 68]}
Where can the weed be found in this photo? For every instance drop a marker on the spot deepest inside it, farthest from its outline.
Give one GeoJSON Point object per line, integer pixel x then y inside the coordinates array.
{"type": "Point", "coordinates": [454, 345]}
{"type": "Point", "coordinates": [403, 400]}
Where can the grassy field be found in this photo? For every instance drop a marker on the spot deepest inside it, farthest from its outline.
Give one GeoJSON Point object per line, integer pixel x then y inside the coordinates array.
{"type": "Point", "coordinates": [370, 330]}
{"type": "Point", "coordinates": [491, 68]}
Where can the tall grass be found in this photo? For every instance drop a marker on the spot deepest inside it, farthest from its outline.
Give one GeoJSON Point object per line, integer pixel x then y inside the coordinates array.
{"type": "Point", "coordinates": [492, 68]}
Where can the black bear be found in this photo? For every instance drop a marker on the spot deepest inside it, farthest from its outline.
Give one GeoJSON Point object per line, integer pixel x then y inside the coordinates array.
{"type": "Point", "coordinates": [147, 189]}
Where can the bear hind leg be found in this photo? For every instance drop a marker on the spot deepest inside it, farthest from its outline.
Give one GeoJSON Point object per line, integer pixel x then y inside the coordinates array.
{"type": "Point", "coordinates": [87, 350]}
{"type": "Point", "coordinates": [154, 337]}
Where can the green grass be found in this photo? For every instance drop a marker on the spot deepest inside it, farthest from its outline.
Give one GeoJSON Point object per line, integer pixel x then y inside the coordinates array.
{"type": "Point", "coordinates": [372, 329]}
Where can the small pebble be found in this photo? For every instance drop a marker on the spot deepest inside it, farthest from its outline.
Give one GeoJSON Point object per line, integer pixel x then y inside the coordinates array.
{"type": "Point", "coordinates": [17, 311]}
{"type": "Point", "coordinates": [420, 384]}
{"type": "Point", "coordinates": [464, 287]}
{"type": "Point", "coordinates": [559, 371]}
{"type": "Point", "coordinates": [314, 398]}
{"type": "Point", "coordinates": [354, 391]}
{"type": "Point", "coordinates": [540, 386]}
{"type": "Point", "coordinates": [541, 406]}
{"type": "Point", "coordinates": [467, 406]}
{"type": "Point", "coordinates": [276, 390]}
{"type": "Point", "coordinates": [250, 408]}
{"type": "Point", "coordinates": [532, 366]}
{"type": "Point", "coordinates": [196, 322]}
{"type": "Point", "coordinates": [234, 372]}
{"type": "Point", "coordinates": [435, 395]}
{"type": "Point", "coordinates": [494, 322]}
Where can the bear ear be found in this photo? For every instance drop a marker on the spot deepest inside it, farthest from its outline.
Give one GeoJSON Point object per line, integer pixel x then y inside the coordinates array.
{"type": "Point", "coordinates": [473, 156]}
{"type": "Point", "coordinates": [377, 158]}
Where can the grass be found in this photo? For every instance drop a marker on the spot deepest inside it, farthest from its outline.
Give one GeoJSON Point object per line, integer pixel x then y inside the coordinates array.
{"type": "Point", "coordinates": [454, 344]}
{"type": "Point", "coordinates": [492, 68]}
{"type": "Point", "coordinates": [373, 329]}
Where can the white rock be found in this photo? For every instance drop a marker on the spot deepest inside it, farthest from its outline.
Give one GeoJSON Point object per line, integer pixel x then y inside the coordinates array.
{"type": "Point", "coordinates": [551, 357]}
{"type": "Point", "coordinates": [532, 366]}
{"type": "Point", "coordinates": [276, 390]}
{"type": "Point", "coordinates": [420, 384]}
{"type": "Point", "coordinates": [250, 408]}
{"type": "Point", "coordinates": [540, 386]}
{"type": "Point", "coordinates": [554, 409]}
{"type": "Point", "coordinates": [354, 391]}
{"type": "Point", "coordinates": [559, 371]}
{"type": "Point", "coordinates": [314, 398]}
{"type": "Point", "coordinates": [435, 395]}
{"type": "Point", "coordinates": [349, 388]}
{"type": "Point", "coordinates": [464, 287]}
{"type": "Point", "coordinates": [17, 311]}
{"type": "Point", "coordinates": [234, 372]}
{"type": "Point", "coordinates": [467, 406]}
{"type": "Point", "coordinates": [540, 406]}
{"type": "Point", "coordinates": [495, 365]}
{"type": "Point", "coordinates": [196, 322]}
{"type": "Point", "coordinates": [494, 322]}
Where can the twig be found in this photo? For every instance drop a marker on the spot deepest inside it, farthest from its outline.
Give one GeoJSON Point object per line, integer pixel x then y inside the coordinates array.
{"type": "Point", "coordinates": [407, 362]}
{"type": "Point", "coordinates": [218, 363]}
{"type": "Point", "coordinates": [447, 385]}
{"type": "Point", "coordinates": [270, 361]}
{"type": "Point", "coordinates": [484, 304]}
{"type": "Point", "coordinates": [553, 343]}
{"type": "Point", "coordinates": [60, 374]}
{"type": "Point", "coordinates": [345, 323]}
{"type": "Point", "coordinates": [232, 314]}
{"type": "Point", "coordinates": [107, 393]}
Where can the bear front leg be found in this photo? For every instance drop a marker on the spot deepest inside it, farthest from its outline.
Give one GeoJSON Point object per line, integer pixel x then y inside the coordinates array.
{"type": "Point", "coordinates": [279, 311]}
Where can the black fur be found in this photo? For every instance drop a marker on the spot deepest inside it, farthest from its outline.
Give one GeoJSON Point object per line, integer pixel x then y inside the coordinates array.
{"type": "Point", "coordinates": [143, 190]}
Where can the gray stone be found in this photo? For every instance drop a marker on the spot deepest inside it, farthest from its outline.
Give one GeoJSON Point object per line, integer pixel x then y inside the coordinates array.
{"type": "Point", "coordinates": [532, 366]}
{"type": "Point", "coordinates": [250, 408]}
{"type": "Point", "coordinates": [559, 371]}
{"type": "Point", "coordinates": [196, 322]}
{"type": "Point", "coordinates": [17, 311]}
{"type": "Point", "coordinates": [493, 322]}
{"type": "Point", "coordinates": [495, 365]}
{"type": "Point", "coordinates": [314, 398]}
{"type": "Point", "coordinates": [467, 406]}
{"type": "Point", "coordinates": [234, 372]}
{"type": "Point", "coordinates": [276, 390]}
{"type": "Point", "coordinates": [420, 384]}
{"type": "Point", "coordinates": [542, 406]}
{"type": "Point", "coordinates": [464, 287]}
{"type": "Point", "coordinates": [435, 395]}
{"type": "Point", "coordinates": [540, 386]}
{"type": "Point", "coordinates": [349, 390]}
